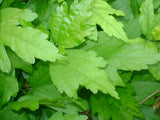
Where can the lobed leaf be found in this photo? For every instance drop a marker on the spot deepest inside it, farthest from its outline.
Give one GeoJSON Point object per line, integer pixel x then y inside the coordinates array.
{"type": "Point", "coordinates": [26, 42]}
{"type": "Point", "coordinates": [82, 68]}
{"type": "Point", "coordinates": [110, 108]}
{"type": "Point", "coordinates": [134, 55]}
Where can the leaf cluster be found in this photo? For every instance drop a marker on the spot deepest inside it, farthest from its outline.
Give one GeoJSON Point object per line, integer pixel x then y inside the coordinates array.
{"type": "Point", "coordinates": [80, 59]}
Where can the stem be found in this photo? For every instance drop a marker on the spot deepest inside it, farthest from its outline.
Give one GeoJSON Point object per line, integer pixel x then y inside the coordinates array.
{"type": "Point", "coordinates": [149, 97]}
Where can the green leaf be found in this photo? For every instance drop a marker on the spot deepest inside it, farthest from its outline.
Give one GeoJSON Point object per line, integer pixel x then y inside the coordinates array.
{"type": "Point", "coordinates": [101, 16]}
{"type": "Point", "coordinates": [156, 32]}
{"type": "Point", "coordinates": [6, 3]}
{"type": "Point", "coordinates": [123, 5]}
{"type": "Point", "coordinates": [156, 3]}
{"type": "Point", "coordinates": [149, 113]}
{"type": "Point", "coordinates": [155, 70]}
{"type": "Point", "coordinates": [44, 11]}
{"type": "Point", "coordinates": [7, 114]}
{"type": "Point", "coordinates": [68, 27]}
{"type": "Point", "coordinates": [144, 85]}
{"type": "Point", "coordinates": [60, 116]}
{"type": "Point", "coordinates": [32, 101]}
{"type": "Point", "coordinates": [134, 55]}
{"type": "Point", "coordinates": [47, 95]}
{"type": "Point", "coordinates": [109, 108]}
{"type": "Point", "coordinates": [132, 28]}
{"type": "Point", "coordinates": [149, 21]}
{"type": "Point", "coordinates": [8, 88]}
{"type": "Point", "coordinates": [18, 63]}
{"type": "Point", "coordinates": [26, 42]}
{"type": "Point", "coordinates": [40, 76]}
{"type": "Point", "coordinates": [82, 68]}
{"type": "Point", "coordinates": [31, 104]}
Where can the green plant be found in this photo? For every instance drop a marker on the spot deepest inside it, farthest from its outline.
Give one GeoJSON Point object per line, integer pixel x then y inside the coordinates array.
{"type": "Point", "coordinates": [79, 59]}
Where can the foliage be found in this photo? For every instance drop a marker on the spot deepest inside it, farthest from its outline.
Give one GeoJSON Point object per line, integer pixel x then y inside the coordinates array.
{"type": "Point", "coordinates": [79, 59]}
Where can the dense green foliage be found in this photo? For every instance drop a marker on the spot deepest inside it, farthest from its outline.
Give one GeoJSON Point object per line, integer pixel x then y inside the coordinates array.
{"type": "Point", "coordinates": [79, 59]}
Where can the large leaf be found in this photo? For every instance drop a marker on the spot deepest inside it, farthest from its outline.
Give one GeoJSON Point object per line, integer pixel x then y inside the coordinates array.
{"type": "Point", "coordinates": [101, 16]}
{"type": "Point", "coordinates": [82, 68]}
{"type": "Point", "coordinates": [60, 116]}
{"type": "Point", "coordinates": [8, 88]}
{"type": "Point", "coordinates": [134, 55]}
{"type": "Point", "coordinates": [26, 42]}
{"type": "Point", "coordinates": [124, 109]}
{"type": "Point", "coordinates": [149, 22]}
{"type": "Point", "coordinates": [68, 27]}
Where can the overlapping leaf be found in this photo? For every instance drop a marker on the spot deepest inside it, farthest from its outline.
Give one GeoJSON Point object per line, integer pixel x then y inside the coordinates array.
{"type": "Point", "coordinates": [135, 55]}
{"type": "Point", "coordinates": [26, 42]}
{"type": "Point", "coordinates": [109, 108]}
{"type": "Point", "coordinates": [82, 68]}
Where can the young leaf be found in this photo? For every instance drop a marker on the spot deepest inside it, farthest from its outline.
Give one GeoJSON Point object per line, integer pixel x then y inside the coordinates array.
{"type": "Point", "coordinates": [109, 108]}
{"type": "Point", "coordinates": [8, 88]}
{"type": "Point", "coordinates": [149, 21]}
{"type": "Point", "coordinates": [68, 27]}
{"type": "Point", "coordinates": [82, 68]}
{"type": "Point", "coordinates": [135, 55]}
{"type": "Point", "coordinates": [101, 16]}
{"type": "Point", "coordinates": [26, 42]}
{"type": "Point", "coordinates": [60, 116]}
